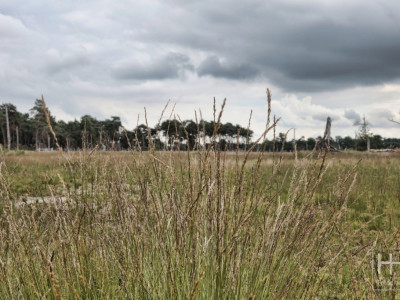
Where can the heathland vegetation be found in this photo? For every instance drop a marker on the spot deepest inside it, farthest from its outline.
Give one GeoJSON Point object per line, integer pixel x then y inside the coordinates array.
{"type": "Point", "coordinates": [198, 224]}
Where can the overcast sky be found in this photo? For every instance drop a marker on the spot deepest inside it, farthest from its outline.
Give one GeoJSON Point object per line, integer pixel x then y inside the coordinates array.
{"type": "Point", "coordinates": [320, 58]}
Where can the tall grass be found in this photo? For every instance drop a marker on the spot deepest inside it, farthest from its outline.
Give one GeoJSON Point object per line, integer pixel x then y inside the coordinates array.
{"type": "Point", "coordinates": [203, 224]}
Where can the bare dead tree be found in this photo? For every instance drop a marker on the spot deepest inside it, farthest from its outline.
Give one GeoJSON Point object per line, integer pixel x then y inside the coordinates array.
{"type": "Point", "coordinates": [364, 132]}
{"type": "Point", "coordinates": [327, 133]}
{"type": "Point", "coordinates": [325, 142]}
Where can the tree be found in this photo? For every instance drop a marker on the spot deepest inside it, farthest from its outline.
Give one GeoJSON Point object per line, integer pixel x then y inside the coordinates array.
{"type": "Point", "coordinates": [9, 131]}
{"type": "Point", "coordinates": [363, 134]}
{"type": "Point", "coordinates": [25, 125]}
{"type": "Point", "coordinates": [91, 131]}
{"type": "Point", "coordinates": [267, 145]}
{"type": "Point", "coordinates": [227, 131]}
{"type": "Point", "coordinates": [42, 133]}
{"type": "Point", "coordinates": [192, 133]}
{"type": "Point", "coordinates": [141, 136]}
{"type": "Point", "coordinates": [310, 143]}
{"type": "Point", "coordinates": [207, 127]}
{"type": "Point", "coordinates": [345, 143]}
{"type": "Point", "coordinates": [172, 130]}
{"type": "Point", "coordinates": [377, 142]}
{"type": "Point", "coordinates": [280, 142]}
{"type": "Point", "coordinates": [110, 131]}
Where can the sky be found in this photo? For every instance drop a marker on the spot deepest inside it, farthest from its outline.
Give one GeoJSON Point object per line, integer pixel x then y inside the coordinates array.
{"type": "Point", "coordinates": [105, 58]}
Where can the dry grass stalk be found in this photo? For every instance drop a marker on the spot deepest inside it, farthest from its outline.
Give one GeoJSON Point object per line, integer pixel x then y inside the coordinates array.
{"type": "Point", "coordinates": [47, 115]}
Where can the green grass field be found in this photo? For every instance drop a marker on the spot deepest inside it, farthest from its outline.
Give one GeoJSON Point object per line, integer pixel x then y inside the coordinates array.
{"type": "Point", "coordinates": [196, 225]}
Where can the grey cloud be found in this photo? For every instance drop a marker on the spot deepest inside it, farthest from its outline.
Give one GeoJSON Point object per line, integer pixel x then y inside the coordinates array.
{"type": "Point", "coordinates": [214, 67]}
{"type": "Point", "coordinates": [171, 66]}
{"type": "Point", "coordinates": [352, 115]}
{"type": "Point", "coordinates": [299, 46]}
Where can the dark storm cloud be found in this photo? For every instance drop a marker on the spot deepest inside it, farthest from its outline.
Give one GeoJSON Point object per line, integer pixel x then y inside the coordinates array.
{"type": "Point", "coordinates": [300, 46]}
{"type": "Point", "coordinates": [171, 66]}
{"type": "Point", "coordinates": [214, 67]}
{"type": "Point", "coordinates": [297, 45]}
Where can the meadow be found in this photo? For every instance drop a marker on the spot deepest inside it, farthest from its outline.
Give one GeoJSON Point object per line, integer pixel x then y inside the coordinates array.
{"type": "Point", "coordinates": [198, 224]}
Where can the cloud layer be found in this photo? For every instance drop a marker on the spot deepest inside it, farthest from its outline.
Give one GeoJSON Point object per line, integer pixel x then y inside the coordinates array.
{"type": "Point", "coordinates": [336, 58]}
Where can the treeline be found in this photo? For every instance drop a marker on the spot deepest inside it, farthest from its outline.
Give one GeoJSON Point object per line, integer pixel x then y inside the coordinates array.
{"type": "Point", "coordinates": [340, 143]}
{"type": "Point", "coordinates": [30, 131]}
